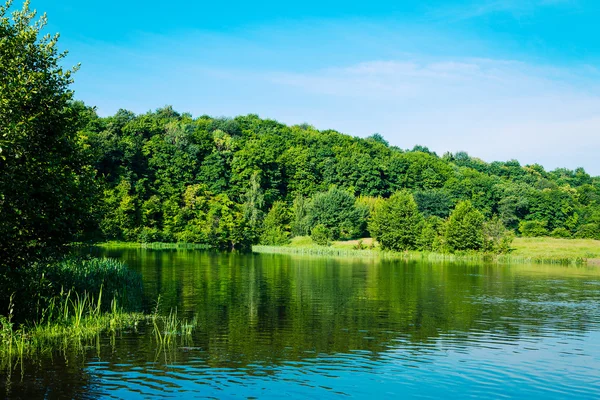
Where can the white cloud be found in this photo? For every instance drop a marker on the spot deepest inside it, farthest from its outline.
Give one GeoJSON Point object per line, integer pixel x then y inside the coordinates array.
{"type": "Point", "coordinates": [494, 109]}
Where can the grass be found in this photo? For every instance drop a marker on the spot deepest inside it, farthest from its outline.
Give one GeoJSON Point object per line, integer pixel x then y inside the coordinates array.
{"type": "Point", "coordinates": [524, 250]}
{"type": "Point", "coordinates": [153, 245]}
{"type": "Point", "coordinates": [69, 320]}
{"type": "Point", "coordinates": [55, 305]}
{"type": "Point", "coordinates": [73, 321]}
{"type": "Point", "coordinates": [556, 249]}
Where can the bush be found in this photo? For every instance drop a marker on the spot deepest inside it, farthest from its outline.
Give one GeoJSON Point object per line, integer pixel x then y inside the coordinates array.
{"type": "Point", "coordinates": [276, 226]}
{"type": "Point", "coordinates": [560, 233]}
{"type": "Point", "coordinates": [496, 238]}
{"type": "Point", "coordinates": [321, 235]}
{"type": "Point", "coordinates": [151, 235]}
{"type": "Point", "coordinates": [396, 223]}
{"type": "Point", "coordinates": [533, 228]}
{"type": "Point", "coordinates": [432, 234]}
{"type": "Point", "coordinates": [464, 230]}
{"type": "Point", "coordinates": [588, 231]}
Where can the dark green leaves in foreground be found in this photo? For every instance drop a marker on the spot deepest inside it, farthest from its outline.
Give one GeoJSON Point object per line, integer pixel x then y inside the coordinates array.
{"type": "Point", "coordinates": [47, 186]}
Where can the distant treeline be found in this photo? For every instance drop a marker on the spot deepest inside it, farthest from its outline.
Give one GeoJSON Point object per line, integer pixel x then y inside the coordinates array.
{"type": "Point", "coordinates": [166, 176]}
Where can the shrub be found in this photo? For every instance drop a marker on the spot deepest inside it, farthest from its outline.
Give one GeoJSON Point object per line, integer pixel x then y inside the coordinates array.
{"type": "Point", "coordinates": [396, 223]}
{"type": "Point", "coordinates": [464, 230]}
{"type": "Point", "coordinates": [432, 234]}
{"type": "Point", "coordinates": [496, 238]}
{"type": "Point", "coordinates": [276, 225]}
{"type": "Point", "coordinates": [321, 235]}
{"type": "Point", "coordinates": [560, 233]}
{"type": "Point", "coordinates": [533, 228]}
{"type": "Point", "coordinates": [588, 231]}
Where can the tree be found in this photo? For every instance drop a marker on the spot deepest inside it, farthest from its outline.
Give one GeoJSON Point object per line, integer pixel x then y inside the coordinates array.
{"type": "Point", "coordinates": [276, 226]}
{"type": "Point", "coordinates": [47, 189]}
{"type": "Point", "coordinates": [496, 238]}
{"type": "Point", "coordinates": [336, 210]}
{"type": "Point", "coordinates": [396, 223]}
{"type": "Point", "coordinates": [464, 230]}
{"type": "Point", "coordinates": [533, 228]}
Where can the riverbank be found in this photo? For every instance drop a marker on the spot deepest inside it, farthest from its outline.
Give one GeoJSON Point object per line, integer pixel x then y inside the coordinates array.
{"type": "Point", "coordinates": [523, 250]}
{"type": "Point", "coordinates": [54, 304]}
{"type": "Point", "coordinates": [150, 245]}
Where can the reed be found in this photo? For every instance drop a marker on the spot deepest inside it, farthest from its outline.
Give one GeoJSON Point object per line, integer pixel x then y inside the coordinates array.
{"type": "Point", "coordinates": [153, 245]}
{"type": "Point", "coordinates": [321, 251]}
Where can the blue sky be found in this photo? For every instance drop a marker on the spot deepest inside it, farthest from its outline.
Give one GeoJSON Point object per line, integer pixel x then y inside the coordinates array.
{"type": "Point", "coordinates": [500, 79]}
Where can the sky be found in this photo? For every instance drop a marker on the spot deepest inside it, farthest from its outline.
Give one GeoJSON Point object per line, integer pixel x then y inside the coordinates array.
{"type": "Point", "coordinates": [499, 79]}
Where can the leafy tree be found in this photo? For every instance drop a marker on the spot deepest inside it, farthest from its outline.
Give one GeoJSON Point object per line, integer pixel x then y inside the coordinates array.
{"type": "Point", "coordinates": [337, 211]}
{"type": "Point", "coordinates": [464, 230]}
{"type": "Point", "coordinates": [496, 238]}
{"type": "Point", "coordinates": [300, 224]}
{"type": "Point", "coordinates": [47, 188]}
{"type": "Point", "coordinates": [321, 235]}
{"type": "Point", "coordinates": [435, 202]}
{"type": "Point", "coordinates": [533, 228]}
{"type": "Point", "coordinates": [276, 226]}
{"type": "Point", "coordinates": [432, 234]}
{"type": "Point", "coordinates": [396, 223]}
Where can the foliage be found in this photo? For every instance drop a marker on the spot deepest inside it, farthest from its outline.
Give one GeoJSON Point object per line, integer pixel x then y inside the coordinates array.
{"type": "Point", "coordinates": [337, 211]}
{"type": "Point", "coordinates": [432, 234]}
{"type": "Point", "coordinates": [321, 235]}
{"type": "Point", "coordinates": [496, 238]}
{"type": "Point", "coordinates": [464, 230]}
{"type": "Point", "coordinates": [148, 162]}
{"type": "Point", "coordinates": [276, 226]}
{"type": "Point", "coordinates": [47, 187]}
{"type": "Point", "coordinates": [560, 233]}
{"type": "Point", "coordinates": [396, 223]}
{"type": "Point", "coordinates": [533, 228]}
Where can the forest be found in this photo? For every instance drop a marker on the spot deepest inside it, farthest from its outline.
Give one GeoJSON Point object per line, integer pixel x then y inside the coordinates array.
{"type": "Point", "coordinates": [166, 176]}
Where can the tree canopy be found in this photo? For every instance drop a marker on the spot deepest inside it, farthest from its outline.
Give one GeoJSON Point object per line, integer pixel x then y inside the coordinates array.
{"type": "Point", "coordinates": [47, 187]}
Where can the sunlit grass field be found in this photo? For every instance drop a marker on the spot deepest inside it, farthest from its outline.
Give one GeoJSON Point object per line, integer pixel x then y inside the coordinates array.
{"type": "Point", "coordinates": [523, 250]}
{"type": "Point", "coordinates": [557, 248]}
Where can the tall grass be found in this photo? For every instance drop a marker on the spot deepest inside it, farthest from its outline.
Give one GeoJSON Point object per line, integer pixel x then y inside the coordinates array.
{"type": "Point", "coordinates": [154, 245]}
{"type": "Point", "coordinates": [33, 288]}
{"type": "Point", "coordinates": [68, 320]}
{"type": "Point", "coordinates": [418, 255]}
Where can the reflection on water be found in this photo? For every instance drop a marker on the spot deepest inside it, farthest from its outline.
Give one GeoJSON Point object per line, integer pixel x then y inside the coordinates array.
{"type": "Point", "coordinates": [275, 325]}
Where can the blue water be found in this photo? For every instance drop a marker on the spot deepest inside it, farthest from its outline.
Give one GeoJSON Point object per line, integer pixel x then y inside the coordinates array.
{"type": "Point", "coordinates": [272, 326]}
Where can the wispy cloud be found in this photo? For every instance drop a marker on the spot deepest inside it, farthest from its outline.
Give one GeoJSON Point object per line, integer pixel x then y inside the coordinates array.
{"type": "Point", "coordinates": [516, 8]}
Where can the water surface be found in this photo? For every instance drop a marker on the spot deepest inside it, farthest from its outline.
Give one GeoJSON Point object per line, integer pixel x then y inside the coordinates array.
{"type": "Point", "coordinates": [272, 326]}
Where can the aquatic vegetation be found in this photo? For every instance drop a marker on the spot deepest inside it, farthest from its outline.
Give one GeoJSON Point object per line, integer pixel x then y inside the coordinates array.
{"type": "Point", "coordinates": [68, 320]}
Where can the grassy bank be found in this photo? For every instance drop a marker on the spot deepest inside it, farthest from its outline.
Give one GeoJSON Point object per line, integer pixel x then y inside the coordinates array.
{"type": "Point", "coordinates": [53, 304]}
{"type": "Point", "coordinates": [152, 245]}
{"type": "Point", "coordinates": [67, 322]}
{"type": "Point", "coordinates": [523, 250]}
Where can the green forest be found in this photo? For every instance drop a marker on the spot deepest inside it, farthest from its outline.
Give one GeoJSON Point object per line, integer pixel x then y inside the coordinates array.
{"type": "Point", "coordinates": [166, 176]}
{"type": "Point", "coordinates": [68, 175]}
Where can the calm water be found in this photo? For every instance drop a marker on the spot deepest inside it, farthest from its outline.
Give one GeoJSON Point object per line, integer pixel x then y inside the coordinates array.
{"type": "Point", "coordinates": [272, 326]}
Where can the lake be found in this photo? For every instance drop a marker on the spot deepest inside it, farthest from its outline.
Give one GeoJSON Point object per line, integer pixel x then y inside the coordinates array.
{"type": "Point", "coordinates": [272, 326]}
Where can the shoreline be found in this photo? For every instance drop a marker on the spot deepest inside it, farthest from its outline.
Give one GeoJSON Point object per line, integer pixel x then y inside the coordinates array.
{"type": "Point", "coordinates": [421, 255]}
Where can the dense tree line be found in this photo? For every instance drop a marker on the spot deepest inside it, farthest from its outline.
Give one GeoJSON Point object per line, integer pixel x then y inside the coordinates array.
{"type": "Point", "coordinates": [167, 176]}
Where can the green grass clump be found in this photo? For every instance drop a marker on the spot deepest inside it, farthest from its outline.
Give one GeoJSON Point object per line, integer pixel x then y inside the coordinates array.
{"type": "Point", "coordinates": [69, 319]}
{"type": "Point", "coordinates": [553, 248]}
{"type": "Point", "coordinates": [523, 251]}
{"type": "Point", "coordinates": [154, 245]}
{"type": "Point", "coordinates": [33, 288]}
